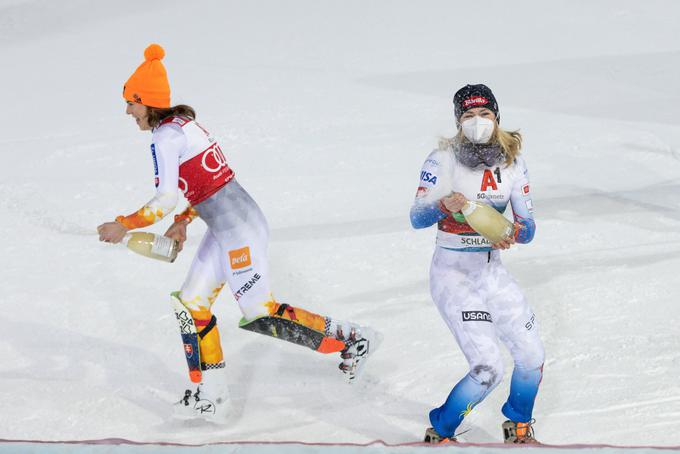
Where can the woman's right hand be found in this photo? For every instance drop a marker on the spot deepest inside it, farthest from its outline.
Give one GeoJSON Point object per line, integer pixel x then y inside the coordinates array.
{"type": "Point", "coordinates": [178, 231]}
{"type": "Point", "coordinates": [112, 232]}
{"type": "Point", "coordinates": [504, 244]}
{"type": "Point", "coordinates": [454, 202]}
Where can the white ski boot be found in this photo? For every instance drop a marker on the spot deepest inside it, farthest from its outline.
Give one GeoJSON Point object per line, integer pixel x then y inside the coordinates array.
{"type": "Point", "coordinates": [361, 343]}
{"type": "Point", "coordinates": [209, 401]}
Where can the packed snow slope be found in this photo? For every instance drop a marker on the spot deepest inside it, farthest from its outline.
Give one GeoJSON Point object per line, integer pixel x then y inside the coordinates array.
{"type": "Point", "coordinates": [326, 110]}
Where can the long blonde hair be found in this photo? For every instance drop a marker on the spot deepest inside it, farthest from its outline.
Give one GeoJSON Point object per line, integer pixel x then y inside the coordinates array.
{"type": "Point", "coordinates": [510, 142]}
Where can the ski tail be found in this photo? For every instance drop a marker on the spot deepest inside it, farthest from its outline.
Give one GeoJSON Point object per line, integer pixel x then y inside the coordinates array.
{"type": "Point", "coordinates": [187, 329]}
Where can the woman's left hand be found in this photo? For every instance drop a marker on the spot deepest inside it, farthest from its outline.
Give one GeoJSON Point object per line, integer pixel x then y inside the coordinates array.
{"type": "Point", "coordinates": [111, 232]}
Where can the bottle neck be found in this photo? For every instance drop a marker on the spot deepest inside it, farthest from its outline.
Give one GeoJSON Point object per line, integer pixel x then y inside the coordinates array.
{"type": "Point", "coordinates": [126, 239]}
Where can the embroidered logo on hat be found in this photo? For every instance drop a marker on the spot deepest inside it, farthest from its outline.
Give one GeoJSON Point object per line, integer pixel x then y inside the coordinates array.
{"type": "Point", "coordinates": [476, 101]}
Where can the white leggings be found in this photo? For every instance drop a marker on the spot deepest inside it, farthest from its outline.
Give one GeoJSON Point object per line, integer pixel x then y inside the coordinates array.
{"type": "Point", "coordinates": [481, 303]}
{"type": "Point", "coordinates": [233, 251]}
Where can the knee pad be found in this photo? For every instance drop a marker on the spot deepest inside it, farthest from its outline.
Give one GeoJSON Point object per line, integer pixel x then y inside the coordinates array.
{"type": "Point", "coordinates": [294, 325]}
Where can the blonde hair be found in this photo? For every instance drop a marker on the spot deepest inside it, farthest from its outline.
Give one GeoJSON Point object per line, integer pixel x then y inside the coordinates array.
{"type": "Point", "coordinates": [510, 142]}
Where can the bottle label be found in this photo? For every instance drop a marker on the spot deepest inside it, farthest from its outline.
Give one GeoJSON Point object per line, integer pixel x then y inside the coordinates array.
{"type": "Point", "coordinates": [162, 245]}
{"type": "Point", "coordinates": [468, 208]}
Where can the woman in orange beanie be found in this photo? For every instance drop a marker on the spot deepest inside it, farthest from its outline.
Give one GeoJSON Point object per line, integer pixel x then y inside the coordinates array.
{"type": "Point", "coordinates": [233, 250]}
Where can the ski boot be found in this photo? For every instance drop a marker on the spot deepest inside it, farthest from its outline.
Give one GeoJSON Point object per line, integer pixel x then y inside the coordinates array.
{"type": "Point", "coordinates": [360, 343]}
{"type": "Point", "coordinates": [210, 399]}
{"type": "Point", "coordinates": [519, 432]}
{"type": "Point", "coordinates": [432, 437]}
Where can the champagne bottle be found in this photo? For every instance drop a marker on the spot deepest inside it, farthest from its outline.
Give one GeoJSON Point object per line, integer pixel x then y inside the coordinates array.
{"type": "Point", "coordinates": [488, 222]}
{"type": "Point", "coordinates": [148, 244]}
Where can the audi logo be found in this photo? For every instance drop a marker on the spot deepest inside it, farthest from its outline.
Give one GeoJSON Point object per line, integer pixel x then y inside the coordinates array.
{"type": "Point", "coordinates": [183, 185]}
{"type": "Point", "coordinates": [213, 159]}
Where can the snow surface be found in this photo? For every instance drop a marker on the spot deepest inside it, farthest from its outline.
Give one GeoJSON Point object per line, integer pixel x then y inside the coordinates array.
{"type": "Point", "coordinates": [326, 110]}
{"type": "Point", "coordinates": [296, 448]}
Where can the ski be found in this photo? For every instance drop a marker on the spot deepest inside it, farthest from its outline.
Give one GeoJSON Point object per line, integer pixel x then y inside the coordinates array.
{"type": "Point", "coordinates": [187, 329]}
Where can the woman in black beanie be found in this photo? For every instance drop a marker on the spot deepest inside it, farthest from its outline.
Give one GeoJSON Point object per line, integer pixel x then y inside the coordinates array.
{"type": "Point", "coordinates": [479, 300]}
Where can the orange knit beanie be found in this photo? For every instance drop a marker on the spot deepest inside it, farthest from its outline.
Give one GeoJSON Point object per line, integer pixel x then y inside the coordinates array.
{"type": "Point", "coordinates": [149, 85]}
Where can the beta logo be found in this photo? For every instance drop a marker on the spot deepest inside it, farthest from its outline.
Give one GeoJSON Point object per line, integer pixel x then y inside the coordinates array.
{"type": "Point", "coordinates": [476, 316]}
{"type": "Point", "coordinates": [427, 177]}
{"type": "Point", "coordinates": [239, 258]}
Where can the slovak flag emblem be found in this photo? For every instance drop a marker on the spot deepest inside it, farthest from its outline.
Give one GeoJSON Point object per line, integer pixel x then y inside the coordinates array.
{"type": "Point", "coordinates": [189, 350]}
{"type": "Point", "coordinates": [525, 189]}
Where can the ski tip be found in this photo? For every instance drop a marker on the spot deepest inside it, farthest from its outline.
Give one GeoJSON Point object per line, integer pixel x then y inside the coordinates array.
{"type": "Point", "coordinates": [374, 337]}
{"type": "Point", "coordinates": [195, 376]}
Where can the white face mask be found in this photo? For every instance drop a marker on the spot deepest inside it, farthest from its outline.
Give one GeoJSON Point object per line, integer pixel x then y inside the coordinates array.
{"type": "Point", "coordinates": [478, 129]}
